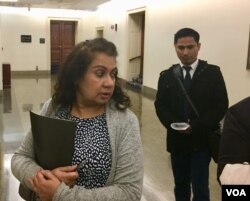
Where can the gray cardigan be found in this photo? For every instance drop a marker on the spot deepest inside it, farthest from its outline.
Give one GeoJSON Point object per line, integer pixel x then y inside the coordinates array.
{"type": "Point", "coordinates": [126, 176]}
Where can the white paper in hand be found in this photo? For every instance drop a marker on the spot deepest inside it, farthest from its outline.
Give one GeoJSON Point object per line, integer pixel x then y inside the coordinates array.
{"type": "Point", "coordinates": [180, 126]}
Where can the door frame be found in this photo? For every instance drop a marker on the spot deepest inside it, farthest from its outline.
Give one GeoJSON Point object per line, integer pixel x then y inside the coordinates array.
{"type": "Point", "coordinates": [131, 12]}
{"type": "Point", "coordinates": [99, 32]}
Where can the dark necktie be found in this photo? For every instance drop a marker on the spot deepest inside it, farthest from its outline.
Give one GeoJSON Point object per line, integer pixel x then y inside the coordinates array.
{"type": "Point", "coordinates": [187, 79]}
{"type": "Point", "coordinates": [187, 84]}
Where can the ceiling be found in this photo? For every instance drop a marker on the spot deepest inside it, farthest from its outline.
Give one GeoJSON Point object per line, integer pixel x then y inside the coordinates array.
{"type": "Point", "coordinates": [56, 4]}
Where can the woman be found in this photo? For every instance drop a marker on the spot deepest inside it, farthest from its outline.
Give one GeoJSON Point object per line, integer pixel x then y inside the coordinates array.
{"type": "Point", "coordinates": [107, 162]}
{"type": "Point", "coordinates": [234, 154]}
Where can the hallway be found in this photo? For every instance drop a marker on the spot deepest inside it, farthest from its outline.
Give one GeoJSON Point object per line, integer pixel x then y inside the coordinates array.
{"type": "Point", "coordinates": [29, 93]}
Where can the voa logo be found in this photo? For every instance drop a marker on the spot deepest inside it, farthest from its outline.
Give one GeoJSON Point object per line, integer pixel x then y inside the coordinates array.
{"type": "Point", "coordinates": [236, 192]}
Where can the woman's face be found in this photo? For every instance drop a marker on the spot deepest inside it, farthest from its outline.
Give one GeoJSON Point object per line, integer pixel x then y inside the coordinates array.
{"type": "Point", "coordinates": [97, 85]}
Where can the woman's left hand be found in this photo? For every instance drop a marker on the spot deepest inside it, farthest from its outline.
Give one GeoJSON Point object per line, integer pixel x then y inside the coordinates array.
{"type": "Point", "coordinates": [45, 184]}
{"type": "Point", "coordinates": [67, 174]}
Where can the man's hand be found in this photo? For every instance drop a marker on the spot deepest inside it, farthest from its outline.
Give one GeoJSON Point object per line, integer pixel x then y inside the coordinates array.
{"type": "Point", "coordinates": [187, 131]}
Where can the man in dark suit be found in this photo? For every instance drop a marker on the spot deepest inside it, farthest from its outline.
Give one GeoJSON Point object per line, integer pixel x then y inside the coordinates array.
{"type": "Point", "coordinates": [189, 150]}
{"type": "Point", "coordinates": [235, 140]}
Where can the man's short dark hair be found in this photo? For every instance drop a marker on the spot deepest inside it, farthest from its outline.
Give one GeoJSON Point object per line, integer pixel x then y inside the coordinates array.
{"type": "Point", "coordinates": [186, 32]}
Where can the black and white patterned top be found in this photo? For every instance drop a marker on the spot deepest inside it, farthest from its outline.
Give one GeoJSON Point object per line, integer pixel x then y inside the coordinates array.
{"type": "Point", "coordinates": [92, 149]}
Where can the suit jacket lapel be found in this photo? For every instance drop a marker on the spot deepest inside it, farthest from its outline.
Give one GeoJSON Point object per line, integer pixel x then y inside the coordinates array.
{"type": "Point", "coordinates": [199, 70]}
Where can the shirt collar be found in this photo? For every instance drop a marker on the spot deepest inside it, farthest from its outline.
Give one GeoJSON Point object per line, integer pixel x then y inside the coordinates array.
{"type": "Point", "coordinates": [193, 65]}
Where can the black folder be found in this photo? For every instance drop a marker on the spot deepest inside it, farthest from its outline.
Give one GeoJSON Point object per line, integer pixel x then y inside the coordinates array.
{"type": "Point", "coordinates": [53, 141]}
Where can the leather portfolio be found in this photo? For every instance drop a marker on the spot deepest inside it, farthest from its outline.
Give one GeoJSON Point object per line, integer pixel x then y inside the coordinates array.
{"type": "Point", "coordinates": [53, 141]}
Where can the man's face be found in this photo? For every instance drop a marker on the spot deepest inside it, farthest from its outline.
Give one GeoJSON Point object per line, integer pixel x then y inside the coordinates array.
{"type": "Point", "coordinates": [187, 50]}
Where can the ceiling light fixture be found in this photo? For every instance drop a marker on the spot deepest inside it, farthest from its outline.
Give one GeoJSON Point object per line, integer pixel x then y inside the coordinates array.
{"type": "Point", "coordinates": [9, 0]}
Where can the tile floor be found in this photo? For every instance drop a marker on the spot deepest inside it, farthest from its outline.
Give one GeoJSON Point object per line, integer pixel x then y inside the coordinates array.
{"type": "Point", "coordinates": [29, 93]}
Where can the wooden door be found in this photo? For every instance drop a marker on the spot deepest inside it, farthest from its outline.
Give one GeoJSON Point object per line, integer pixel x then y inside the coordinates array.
{"type": "Point", "coordinates": [6, 75]}
{"type": "Point", "coordinates": [62, 34]}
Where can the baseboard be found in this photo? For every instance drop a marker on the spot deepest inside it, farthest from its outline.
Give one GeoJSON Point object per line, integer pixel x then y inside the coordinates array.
{"type": "Point", "coordinates": [145, 91]}
{"type": "Point", "coordinates": [149, 92]}
{"type": "Point", "coordinates": [17, 74]}
{"type": "Point", "coordinates": [122, 82]}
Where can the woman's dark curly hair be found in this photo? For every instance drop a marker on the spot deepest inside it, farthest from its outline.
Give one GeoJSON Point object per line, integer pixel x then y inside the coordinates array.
{"type": "Point", "coordinates": [74, 68]}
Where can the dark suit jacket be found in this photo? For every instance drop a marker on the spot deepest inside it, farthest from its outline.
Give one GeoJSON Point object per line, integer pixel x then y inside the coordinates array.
{"type": "Point", "coordinates": [208, 94]}
{"type": "Point", "coordinates": [235, 140]}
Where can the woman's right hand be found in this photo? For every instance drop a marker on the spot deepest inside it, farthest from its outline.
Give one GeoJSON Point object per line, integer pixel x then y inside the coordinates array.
{"type": "Point", "coordinates": [67, 174]}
